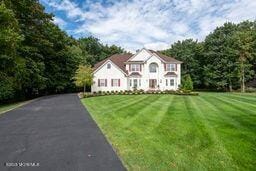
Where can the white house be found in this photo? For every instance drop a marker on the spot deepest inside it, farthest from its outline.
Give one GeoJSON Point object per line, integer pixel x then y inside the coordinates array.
{"type": "Point", "coordinates": [147, 70]}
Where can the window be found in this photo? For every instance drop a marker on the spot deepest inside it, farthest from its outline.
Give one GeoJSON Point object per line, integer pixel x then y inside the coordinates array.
{"type": "Point", "coordinates": [152, 67]}
{"type": "Point", "coordinates": [171, 82]}
{"type": "Point", "coordinates": [170, 67]}
{"type": "Point", "coordinates": [108, 66]}
{"type": "Point", "coordinates": [166, 82]}
{"type": "Point", "coordinates": [130, 83]}
{"type": "Point", "coordinates": [135, 67]}
{"type": "Point", "coordinates": [115, 82]}
{"type": "Point", "coordinates": [135, 83]}
{"type": "Point", "coordinates": [139, 82]}
{"type": "Point", "coordinates": [102, 82]}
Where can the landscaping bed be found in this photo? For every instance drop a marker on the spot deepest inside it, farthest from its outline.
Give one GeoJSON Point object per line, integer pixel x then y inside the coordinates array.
{"type": "Point", "coordinates": [137, 92]}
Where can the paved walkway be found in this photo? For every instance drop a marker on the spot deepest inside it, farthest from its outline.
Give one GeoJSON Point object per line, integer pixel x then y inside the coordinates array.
{"type": "Point", "coordinates": [58, 133]}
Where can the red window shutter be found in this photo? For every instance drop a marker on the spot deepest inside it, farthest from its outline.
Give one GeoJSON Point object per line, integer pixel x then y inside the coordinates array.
{"type": "Point", "coordinates": [98, 82]}
{"type": "Point", "coordinates": [106, 83]}
{"type": "Point", "coordinates": [118, 82]}
{"type": "Point", "coordinates": [112, 82]}
{"type": "Point", "coordinates": [164, 67]}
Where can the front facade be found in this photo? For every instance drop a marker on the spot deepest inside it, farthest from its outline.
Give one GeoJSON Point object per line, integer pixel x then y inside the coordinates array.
{"type": "Point", "coordinates": [147, 70]}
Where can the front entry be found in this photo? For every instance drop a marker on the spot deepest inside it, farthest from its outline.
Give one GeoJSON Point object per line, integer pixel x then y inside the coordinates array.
{"type": "Point", "coordinates": [135, 83]}
{"type": "Point", "coordinates": [152, 83]}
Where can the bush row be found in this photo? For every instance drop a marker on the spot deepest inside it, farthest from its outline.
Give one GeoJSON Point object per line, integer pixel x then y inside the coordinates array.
{"type": "Point", "coordinates": [138, 92]}
{"type": "Point", "coordinates": [250, 90]}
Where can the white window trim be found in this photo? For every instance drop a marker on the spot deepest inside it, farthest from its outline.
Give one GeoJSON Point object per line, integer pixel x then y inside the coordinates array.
{"type": "Point", "coordinates": [171, 82]}
{"type": "Point", "coordinates": [135, 67]}
{"type": "Point", "coordinates": [170, 67]}
{"type": "Point", "coordinates": [150, 65]}
{"type": "Point", "coordinates": [136, 83]}
{"type": "Point", "coordinates": [115, 82]}
{"type": "Point", "coordinates": [102, 83]}
{"type": "Point", "coordinates": [108, 66]}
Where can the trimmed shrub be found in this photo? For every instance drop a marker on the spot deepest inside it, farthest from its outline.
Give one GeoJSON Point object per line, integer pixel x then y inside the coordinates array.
{"type": "Point", "coordinates": [138, 92]}
{"type": "Point", "coordinates": [187, 83]}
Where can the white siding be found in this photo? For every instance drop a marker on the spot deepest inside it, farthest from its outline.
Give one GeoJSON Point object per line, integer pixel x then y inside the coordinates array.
{"type": "Point", "coordinates": [143, 81]}
{"type": "Point", "coordinates": [159, 76]}
{"type": "Point", "coordinates": [112, 73]}
{"type": "Point", "coordinates": [141, 56]}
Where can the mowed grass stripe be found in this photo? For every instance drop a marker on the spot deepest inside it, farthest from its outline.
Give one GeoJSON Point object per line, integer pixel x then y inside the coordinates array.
{"type": "Point", "coordinates": [161, 110]}
{"type": "Point", "coordinates": [173, 128]}
{"type": "Point", "coordinates": [113, 100]}
{"type": "Point", "coordinates": [128, 111]}
{"type": "Point", "coordinates": [241, 115]}
{"type": "Point", "coordinates": [169, 132]}
{"type": "Point", "coordinates": [231, 136]}
{"type": "Point", "coordinates": [243, 99]}
{"type": "Point", "coordinates": [217, 152]}
{"type": "Point", "coordinates": [243, 110]}
{"type": "Point", "coordinates": [219, 118]}
{"type": "Point", "coordinates": [152, 118]}
{"type": "Point", "coordinates": [124, 102]}
{"type": "Point", "coordinates": [132, 134]}
{"type": "Point", "coordinates": [142, 152]}
{"type": "Point", "coordinates": [240, 101]}
{"type": "Point", "coordinates": [109, 114]}
{"type": "Point", "coordinates": [244, 94]}
{"type": "Point", "coordinates": [131, 102]}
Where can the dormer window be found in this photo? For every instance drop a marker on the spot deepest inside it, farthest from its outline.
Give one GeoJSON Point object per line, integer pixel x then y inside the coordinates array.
{"type": "Point", "coordinates": [108, 66]}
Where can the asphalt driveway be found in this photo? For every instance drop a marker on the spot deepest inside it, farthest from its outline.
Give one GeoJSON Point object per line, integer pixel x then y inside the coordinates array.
{"type": "Point", "coordinates": [56, 133]}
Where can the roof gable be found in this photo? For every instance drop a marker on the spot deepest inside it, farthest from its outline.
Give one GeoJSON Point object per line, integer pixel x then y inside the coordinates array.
{"type": "Point", "coordinates": [155, 56]}
{"type": "Point", "coordinates": [107, 62]}
{"type": "Point", "coordinates": [142, 55]}
{"type": "Point", "coordinates": [117, 59]}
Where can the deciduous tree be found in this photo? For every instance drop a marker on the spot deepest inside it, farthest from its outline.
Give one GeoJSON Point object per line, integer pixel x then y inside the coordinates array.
{"type": "Point", "coordinates": [83, 76]}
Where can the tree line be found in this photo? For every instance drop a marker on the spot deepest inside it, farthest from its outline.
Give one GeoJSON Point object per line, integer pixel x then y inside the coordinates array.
{"type": "Point", "coordinates": [36, 56]}
{"type": "Point", "coordinates": [225, 60]}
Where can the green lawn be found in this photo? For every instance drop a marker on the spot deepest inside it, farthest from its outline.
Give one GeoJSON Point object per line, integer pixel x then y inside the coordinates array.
{"type": "Point", "coordinates": [8, 107]}
{"type": "Point", "coordinates": [213, 131]}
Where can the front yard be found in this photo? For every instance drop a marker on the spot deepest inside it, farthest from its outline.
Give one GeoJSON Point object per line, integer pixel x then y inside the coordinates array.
{"type": "Point", "coordinates": [213, 131]}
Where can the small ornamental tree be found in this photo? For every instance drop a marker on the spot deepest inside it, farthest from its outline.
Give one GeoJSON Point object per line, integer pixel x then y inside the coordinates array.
{"type": "Point", "coordinates": [187, 83]}
{"type": "Point", "coordinates": [83, 76]}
